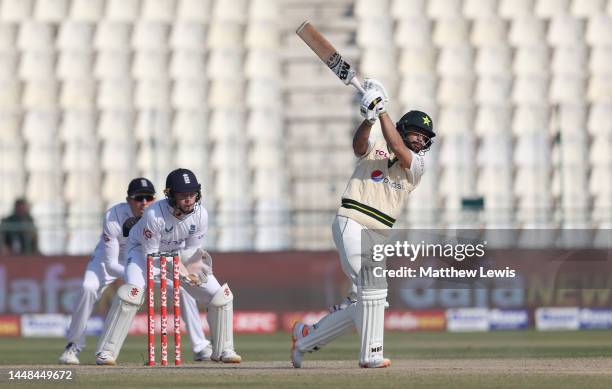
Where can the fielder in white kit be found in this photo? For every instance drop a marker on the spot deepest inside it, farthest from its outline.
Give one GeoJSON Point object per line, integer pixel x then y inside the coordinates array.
{"type": "Point", "coordinates": [387, 171]}
{"type": "Point", "coordinates": [175, 224]}
{"type": "Point", "coordinates": [107, 265]}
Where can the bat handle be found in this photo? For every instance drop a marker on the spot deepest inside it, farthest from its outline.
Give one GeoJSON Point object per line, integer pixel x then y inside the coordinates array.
{"type": "Point", "coordinates": [357, 84]}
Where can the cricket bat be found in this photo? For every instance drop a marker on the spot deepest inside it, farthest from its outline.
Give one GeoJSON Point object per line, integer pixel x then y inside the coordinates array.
{"type": "Point", "coordinates": [329, 55]}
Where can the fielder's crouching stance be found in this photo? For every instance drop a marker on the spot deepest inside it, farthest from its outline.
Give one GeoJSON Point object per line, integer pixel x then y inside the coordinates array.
{"type": "Point", "coordinates": [387, 171]}
{"type": "Point", "coordinates": [106, 265]}
{"type": "Point", "coordinates": [175, 224]}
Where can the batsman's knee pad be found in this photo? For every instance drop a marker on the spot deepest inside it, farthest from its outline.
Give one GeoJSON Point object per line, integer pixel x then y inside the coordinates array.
{"type": "Point", "coordinates": [371, 323]}
{"type": "Point", "coordinates": [220, 320]}
{"type": "Point", "coordinates": [119, 318]}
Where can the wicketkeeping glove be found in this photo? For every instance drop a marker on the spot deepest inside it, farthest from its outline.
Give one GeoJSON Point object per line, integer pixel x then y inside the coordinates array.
{"type": "Point", "coordinates": [195, 266]}
{"type": "Point", "coordinates": [128, 224]}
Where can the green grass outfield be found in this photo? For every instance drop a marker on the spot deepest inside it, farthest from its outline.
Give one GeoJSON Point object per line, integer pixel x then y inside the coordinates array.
{"type": "Point", "coordinates": [512, 359]}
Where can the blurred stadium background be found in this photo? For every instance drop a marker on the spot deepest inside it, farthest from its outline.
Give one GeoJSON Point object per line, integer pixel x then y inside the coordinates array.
{"type": "Point", "coordinates": [96, 92]}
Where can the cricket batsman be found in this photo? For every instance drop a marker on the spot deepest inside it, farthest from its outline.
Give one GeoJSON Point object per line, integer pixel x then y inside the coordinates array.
{"type": "Point", "coordinates": [385, 174]}
{"type": "Point", "coordinates": [175, 224]}
{"type": "Point", "coordinates": [107, 265]}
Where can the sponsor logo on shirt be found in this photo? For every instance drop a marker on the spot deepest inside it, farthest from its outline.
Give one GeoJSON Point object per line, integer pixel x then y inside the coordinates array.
{"type": "Point", "coordinates": [177, 242]}
{"type": "Point", "coordinates": [381, 153]}
{"type": "Point", "coordinates": [192, 229]}
{"type": "Point", "coordinates": [168, 230]}
{"type": "Point", "coordinates": [379, 176]}
{"type": "Point", "coordinates": [147, 233]}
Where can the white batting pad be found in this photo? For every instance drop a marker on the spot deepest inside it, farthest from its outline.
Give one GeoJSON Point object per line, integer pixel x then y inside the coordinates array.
{"type": "Point", "coordinates": [118, 320]}
{"type": "Point", "coordinates": [220, 319]}
{"type": "Point", "coordinates": [330, 327]}
{"type": "Point", "coordinates": [371, 323]}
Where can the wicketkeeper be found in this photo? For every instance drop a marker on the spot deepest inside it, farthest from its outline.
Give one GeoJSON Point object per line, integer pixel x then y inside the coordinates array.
{"type": "Point", "coordinates": [175, 224]}
{"type": "Point", "coordinates": [107, 265]}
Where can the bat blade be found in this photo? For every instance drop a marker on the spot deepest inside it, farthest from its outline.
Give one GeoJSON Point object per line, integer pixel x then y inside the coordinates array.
{"type": "Point", "coordinates": [328, 54]}
{"type": "Point", "coordinates": [317, 42]}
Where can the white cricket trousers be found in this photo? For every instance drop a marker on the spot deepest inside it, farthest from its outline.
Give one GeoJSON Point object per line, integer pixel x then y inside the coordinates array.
{"type": "Point", "coordinates": [347, 237]}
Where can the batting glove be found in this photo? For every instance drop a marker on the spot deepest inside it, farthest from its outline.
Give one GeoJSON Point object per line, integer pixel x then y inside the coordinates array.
{"type": "Point", "coordinates": [372, 105]}
{"type": "Point", "coordinates": [371, 83]}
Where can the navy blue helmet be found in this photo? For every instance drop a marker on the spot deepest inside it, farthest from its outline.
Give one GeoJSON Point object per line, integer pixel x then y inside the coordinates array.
{"type": "Point", "coordinates": [181, 181]}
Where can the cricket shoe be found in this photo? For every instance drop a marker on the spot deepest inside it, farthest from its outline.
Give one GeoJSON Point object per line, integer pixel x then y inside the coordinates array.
{"type": "Point", "coordinates": [298, 331]}
{"type": "Point", "coordinates": [105, 358]}
{"type": "Point", "coordinates": [203, 355]}
{"type": "Point", "coordinates": [376, 363]}
{"type": "Point", "coordinates": [70, 356]}
{"type": "Point", "coordinates": [228, 356]}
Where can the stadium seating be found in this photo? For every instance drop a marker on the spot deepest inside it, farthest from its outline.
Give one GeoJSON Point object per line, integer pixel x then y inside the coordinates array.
{"type": "Point", "coordinates": [95, 92]}
{"type": "Point", "coordinates": [587, 8]}
{"type": "Point", "coordinates": [549, 8]}
{"type": "Point", "coordinates": [75, 36]}
{"type": "Point", "coordinates": [83, 227]}
{"type": "Point", "coordinates": [196, 10]}
{"type": "Point", "coordinates": [489, 32]}
{"type": "Point", "coordinates": [119, 10]}
{"type": "Point", "coordinates": [87, 10]}
{"type": "Point", "coordinates": [479, 9]}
